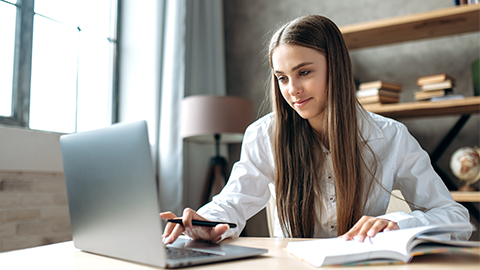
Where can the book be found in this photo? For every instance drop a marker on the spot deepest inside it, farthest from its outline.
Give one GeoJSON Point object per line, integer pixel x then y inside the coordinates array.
{"type": "Point", "coordinates": [447, 97]}
{"type": "Point", "coordinates": [377, 98]}
{"type": "Point", "coordinates": [381, 85]}
{"type": "Point", "coordinates": [424, 95]}
{"type": "Point", "coordinates": [391, 247]}
{"type": "Point", "coordinates": [447, 84]}
{"type": "Point", "coordinates": [375, 91]}
{"type": "Point", "coordinates": [434, 79]}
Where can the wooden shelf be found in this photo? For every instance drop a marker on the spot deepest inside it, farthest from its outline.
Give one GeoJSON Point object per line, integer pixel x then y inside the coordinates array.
{"type": "Point", "coordinates": [468, 105]}
{"type": "Point", "coordinates": [466, 196]}
{"type": "Point", "coordinates": [437, 23]}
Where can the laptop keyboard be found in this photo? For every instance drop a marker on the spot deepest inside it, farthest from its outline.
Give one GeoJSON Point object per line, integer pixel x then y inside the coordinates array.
{"type": "Point", "coordinates": [181, 253]}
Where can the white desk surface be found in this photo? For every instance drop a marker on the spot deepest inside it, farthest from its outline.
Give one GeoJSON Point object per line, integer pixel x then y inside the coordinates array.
{"type": "Point", "coordinates": [65, 256]}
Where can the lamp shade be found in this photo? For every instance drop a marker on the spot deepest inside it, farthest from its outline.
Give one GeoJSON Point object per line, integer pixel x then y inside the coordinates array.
{"type": "Point", "coordinates": [204, 116]}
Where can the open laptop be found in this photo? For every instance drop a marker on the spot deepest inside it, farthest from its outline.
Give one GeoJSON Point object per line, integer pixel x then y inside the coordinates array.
{"type": "Point", "coordinates": [114, 204]}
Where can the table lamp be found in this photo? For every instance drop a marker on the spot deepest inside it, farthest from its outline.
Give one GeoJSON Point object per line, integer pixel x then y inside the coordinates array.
{"type": "Point", "coordinates": [215, 119]}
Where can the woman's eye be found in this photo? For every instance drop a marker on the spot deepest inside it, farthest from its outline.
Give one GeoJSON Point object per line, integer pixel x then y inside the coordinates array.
{"type": "Point", "coordinates": [281, 79]}
{"type": "Point", "coordinates": [303, 73]}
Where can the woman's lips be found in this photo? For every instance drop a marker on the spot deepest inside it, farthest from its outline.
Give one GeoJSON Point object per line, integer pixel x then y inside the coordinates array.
{"type": "Point", "coordinates": [301, 103]}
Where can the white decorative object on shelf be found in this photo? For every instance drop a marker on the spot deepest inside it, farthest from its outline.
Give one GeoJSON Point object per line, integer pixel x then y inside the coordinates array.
{"type": "Point", "coordinates": [465, 164]}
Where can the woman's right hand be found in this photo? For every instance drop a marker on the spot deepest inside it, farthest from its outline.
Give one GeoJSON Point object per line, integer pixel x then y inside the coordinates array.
{"type": "Point", "coordinates": [173, 231]}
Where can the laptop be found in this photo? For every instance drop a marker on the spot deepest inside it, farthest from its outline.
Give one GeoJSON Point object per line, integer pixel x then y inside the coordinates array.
{"type": "Point", "coordinates": [113, 201]}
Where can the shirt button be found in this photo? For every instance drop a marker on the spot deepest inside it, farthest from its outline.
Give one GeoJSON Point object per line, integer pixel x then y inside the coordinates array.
{"type": "Point", "coordinates": [332, 198]}
{"type": "Point", "coordinates": [333, 226]}
{"type": "Point", "coordinates": [329, 177]}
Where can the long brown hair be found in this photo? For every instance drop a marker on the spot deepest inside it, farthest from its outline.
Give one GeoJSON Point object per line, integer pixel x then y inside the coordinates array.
{"type": "Point", "coordinates": [297, 147]}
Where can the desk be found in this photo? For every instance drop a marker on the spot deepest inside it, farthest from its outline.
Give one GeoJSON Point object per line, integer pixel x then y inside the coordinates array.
{"type": "Point", "coordinates": [64, 256]}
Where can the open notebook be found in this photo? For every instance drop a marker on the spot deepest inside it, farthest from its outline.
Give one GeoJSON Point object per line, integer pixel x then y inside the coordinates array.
{"type": "Point", "coordinates": [392, 247]}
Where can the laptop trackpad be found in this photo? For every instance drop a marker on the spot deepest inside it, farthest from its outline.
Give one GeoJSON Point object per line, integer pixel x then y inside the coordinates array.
{"type": "Point", "coordinates": [226, 251]}
{"type": "Point", "coordinates": [201, 246]}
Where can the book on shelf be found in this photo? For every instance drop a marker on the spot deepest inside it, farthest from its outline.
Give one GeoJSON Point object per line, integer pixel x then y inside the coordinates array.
{"type": "Point", "coordinates": [447, 84]}
{"type": "Point", "coordinates": [424, 95]}
{"type": "Point", "coordinates": [381, 85]}
{"type": "Point", "coordinates": [377, 99]}
{"type": "Point", "coordinates": [447, 97]}
{"type": "Point", "coordinates": [393, 247]}
{"type": "Point", "coordinates": [434, 79]}
{"type": "Point", "coordinates": [375, 91]}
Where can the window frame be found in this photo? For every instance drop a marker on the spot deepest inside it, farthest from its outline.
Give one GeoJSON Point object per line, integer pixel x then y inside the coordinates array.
{"type": "Point", "coordinates": [22, 65]}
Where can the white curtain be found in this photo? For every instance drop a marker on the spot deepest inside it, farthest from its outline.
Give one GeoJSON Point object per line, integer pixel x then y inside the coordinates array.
{"type": "Point", "coordinates": [193, 64]}
{"type": "Point", "coordinates": [168, 50]}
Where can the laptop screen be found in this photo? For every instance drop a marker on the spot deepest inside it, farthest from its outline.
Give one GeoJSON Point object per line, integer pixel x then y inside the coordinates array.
{"type": "Point", "coordinates": [112, 193]}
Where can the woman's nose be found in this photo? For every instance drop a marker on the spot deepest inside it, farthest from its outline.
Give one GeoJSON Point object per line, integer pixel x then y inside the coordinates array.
{"type": "Point", "coordinates": [295, 88]}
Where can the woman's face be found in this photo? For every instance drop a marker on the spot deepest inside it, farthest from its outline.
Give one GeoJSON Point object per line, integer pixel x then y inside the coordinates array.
{"type": "Point", "coordinates": [302, 76]}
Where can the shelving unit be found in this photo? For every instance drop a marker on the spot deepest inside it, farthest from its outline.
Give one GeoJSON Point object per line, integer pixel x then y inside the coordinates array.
{"type": "Point", "coordinates": [466, 196]}
{"type": "Point", "coordinates": [468, 105]}
{"type": "Point", "coordinates": [438, 23]}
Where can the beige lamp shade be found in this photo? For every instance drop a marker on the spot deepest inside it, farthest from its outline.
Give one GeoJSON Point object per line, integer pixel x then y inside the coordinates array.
{"type": "Point", "coordinates": [204, 116]}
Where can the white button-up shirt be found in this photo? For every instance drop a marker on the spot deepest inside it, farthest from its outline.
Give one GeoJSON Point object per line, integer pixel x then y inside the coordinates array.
{"type": "Point", "coordinates": [402, 164]}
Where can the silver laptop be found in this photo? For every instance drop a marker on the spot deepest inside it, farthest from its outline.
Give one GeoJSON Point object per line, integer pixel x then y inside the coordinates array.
{"type": "Point", "coordinates": [114, 205]}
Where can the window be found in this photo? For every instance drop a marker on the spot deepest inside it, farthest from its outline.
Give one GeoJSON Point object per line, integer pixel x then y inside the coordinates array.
{"type": "Point", "coordinates": [7, 32]}
{"type": "Point", "coordinates": [61, 64]}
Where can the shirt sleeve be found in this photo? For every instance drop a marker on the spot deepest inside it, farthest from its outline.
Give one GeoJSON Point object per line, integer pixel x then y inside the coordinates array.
{"type": "Point", "coordinates": [246, 191]}
{"type": "Point", "coordinates": [420, 185]}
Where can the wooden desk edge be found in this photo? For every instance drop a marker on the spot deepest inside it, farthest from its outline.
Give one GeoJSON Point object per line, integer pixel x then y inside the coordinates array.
{"type": "Point", "coordinates": [48, 256]}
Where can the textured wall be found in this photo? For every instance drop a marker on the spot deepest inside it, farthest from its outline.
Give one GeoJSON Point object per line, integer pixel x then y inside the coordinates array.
{"type": "Point", "coordinates": [33, 210]}
{"type": "Point", "coordinates": [250, 23]}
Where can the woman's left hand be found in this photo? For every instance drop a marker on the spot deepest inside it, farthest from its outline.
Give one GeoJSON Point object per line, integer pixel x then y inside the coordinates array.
{"type": "Point", "coordinates": [369, 226]}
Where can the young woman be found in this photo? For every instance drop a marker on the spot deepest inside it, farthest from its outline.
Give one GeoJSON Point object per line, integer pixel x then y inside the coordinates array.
{"type": "Point", "coordinates": [330, 164]}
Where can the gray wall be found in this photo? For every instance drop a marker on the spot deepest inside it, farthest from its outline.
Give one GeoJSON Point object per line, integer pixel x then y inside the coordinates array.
{"type": "Point", "coordinates": [250, 23]}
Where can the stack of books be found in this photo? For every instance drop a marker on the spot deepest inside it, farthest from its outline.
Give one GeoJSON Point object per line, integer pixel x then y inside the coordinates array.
{"type": "Point", "coordinates": [378, 92]}
{"type": "Point", "coordinates": [434, 86]}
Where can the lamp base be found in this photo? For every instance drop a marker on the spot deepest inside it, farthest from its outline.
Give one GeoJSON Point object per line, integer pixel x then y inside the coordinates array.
{"type": "Point", "coordinates": [216, 178]}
